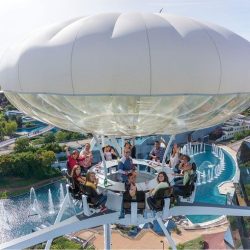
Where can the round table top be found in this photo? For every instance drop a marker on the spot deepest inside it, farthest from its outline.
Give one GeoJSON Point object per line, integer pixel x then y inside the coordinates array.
{"type": "Point", "coordinates": [142, 186]}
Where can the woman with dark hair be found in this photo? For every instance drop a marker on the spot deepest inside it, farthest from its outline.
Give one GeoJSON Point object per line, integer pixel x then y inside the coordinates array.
{"type": "Point", "coordinates": [77, 180]}
{"type": "Point", "coordinates": [163, 183]}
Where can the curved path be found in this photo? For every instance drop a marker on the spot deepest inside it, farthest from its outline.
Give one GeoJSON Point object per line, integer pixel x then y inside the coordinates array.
{"type": "Point", "coordinates": [29, 135]}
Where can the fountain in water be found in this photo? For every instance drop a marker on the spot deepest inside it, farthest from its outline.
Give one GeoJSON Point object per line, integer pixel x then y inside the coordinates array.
{"type": "Point", "coordinates": [32, 195]}
{"type": "Point", "coordinates": [209, 175]}
{"type": "Point", "coordinates": [35, 207]}
{"type": "Point", "coordinates": [204, 177]}
{"type": "Point", "coordinates": [193, 149]}
{"type": "Point", "coordinates": [51, 204]}
{"type": "Point", "coordinates": [198, 178]}
{"type": "Point", "coordinates": [5, 223]}
{"type": "Point", "coordinates": [61, 197]}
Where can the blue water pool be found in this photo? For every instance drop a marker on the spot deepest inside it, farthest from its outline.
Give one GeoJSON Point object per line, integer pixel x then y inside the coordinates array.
{"type": "Point", "coordinates": [37, 127]}
{"type": "Point", "coordinates": [18, 218]}
{"type": "Point", "coordinates": [209, 192]}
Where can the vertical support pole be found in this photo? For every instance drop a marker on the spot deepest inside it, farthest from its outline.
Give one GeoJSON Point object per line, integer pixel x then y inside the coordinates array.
{"type": "Point", "coordinates": [123, 142]}
{"type": "Point", "coordinates": [107, 236]}
{"type": "Point", "coordinates": [102, 156]}
{"type": "Point", "coordinates": [116, 145]}
{"type": "Point", "coordinates": [133, 213]}
{"type": "Point", "coordinates": [103, 141]}
{"type": "Point", "coordinates": [165, 211]}
{"type": "Point", "coordinates": [167, 150]}
{"type": "Point", "coordinates": [59, 217]}
{"type": "Point", "coordinates": [85, 205]}
{"type": "Point", "coordinates": [165, 231]}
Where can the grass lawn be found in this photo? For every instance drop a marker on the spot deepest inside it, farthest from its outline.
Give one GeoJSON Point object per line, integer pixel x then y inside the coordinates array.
{"type": "Point", "coordinates": [15, 182]}
{"type": "Point", "coordinates": [60, 243]}
{"type": "Point", "coordinates": [197, 244]}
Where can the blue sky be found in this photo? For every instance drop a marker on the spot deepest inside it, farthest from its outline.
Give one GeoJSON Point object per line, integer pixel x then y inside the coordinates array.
{"type": "Point", "coordinates": [20, 17]}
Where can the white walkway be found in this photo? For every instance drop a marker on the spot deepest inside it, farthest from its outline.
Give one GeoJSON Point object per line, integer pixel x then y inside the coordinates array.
{"type": "Point", "coordinates": [29, 135]}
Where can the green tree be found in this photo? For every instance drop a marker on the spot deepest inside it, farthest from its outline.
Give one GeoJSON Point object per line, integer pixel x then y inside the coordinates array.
{"type": "Point", "coordinates": [47, 158]}
{"type": "Point", "coordinates": [55, 147]}
{"type": "Point", "coordinates": [49, 137]}
{"type": "Point", "coordinates": [10, 128]}
{"type": "Point", "coordinates": [9, 107]}
{"type": "Point", "coordinates": [60, 136]}
{"type": "Point", "coordinates": [2, 129]}
{"type": "Point", "coordinates": [19, 121]}
{"type": "Point", "coordinates": [22, 144]}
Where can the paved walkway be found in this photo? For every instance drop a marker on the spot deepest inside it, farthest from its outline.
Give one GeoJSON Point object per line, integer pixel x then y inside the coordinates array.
{"type": "Point", "coordinates": [29, 135]}
{"type": "Point", "coordinates": [236, 145]}
{"type": "Point", "coordinates": [147, 239]}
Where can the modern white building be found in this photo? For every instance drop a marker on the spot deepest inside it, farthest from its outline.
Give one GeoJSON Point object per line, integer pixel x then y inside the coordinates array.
{"type": "Point", "coordinates": [235, 125]}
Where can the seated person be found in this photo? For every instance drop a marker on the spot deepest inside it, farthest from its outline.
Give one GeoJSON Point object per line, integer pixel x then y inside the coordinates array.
{"type": "Point", "coordinates": [163, 183]}
{"type": "Point", "coordinates": [86, 158]}
{"type": "Point", "coordinates": [107, 153]}
{"type": "Point", "coordinates": [157, 152]}
{"type": "Point", "coordinates": [183, 176]}
{"type": "Point", "coordinates": [130, 187]}
{"type": "Point", "coordinates": [131, 193]}
{"type": "Point", "coordinates": [181, 186]}
{"type": "Point", "coordinates": [174, 156]}
{"type": "Point", "coordinates": [77, 181]}
{"type": "Point", "coordinates": [76, 175]}
{"type": "Point", "coordinates": [184, 159]}
{"type": "Point", "coordinates": [72, 159]}
{"type": "Point", "coordinates": [91, 186]}
{"type": "Point", "coordinates": [114, 155]}
{"type": "Point", "coordinates": [125, 166]}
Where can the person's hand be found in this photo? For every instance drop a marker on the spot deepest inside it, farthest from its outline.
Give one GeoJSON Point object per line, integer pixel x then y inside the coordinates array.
{"type": "Point", "coordinates": [96, 180]}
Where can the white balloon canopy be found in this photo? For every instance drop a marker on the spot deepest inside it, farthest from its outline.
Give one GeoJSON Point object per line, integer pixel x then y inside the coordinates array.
{"type": "Point", "coordinates": [129, 74]}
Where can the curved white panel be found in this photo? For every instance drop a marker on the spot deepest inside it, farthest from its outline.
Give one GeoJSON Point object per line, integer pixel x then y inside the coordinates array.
{"type": "Point", "coordinates": [129, 54]}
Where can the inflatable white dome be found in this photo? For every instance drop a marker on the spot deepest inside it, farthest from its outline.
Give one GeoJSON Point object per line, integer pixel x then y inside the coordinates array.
{"type": "Point", "coordinates": [129, 74]}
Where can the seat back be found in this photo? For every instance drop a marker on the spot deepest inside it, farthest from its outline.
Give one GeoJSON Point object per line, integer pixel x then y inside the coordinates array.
{"type": "Point", "coordinates": [74, 187]}
{"type": "Point", "coordinates": [92, 196]}
{"type": "Point", "coordinates": [127, 199]}
{"type": "Point", "coordinates": [190, 189]}
{"type": "Point", "coordinates": [162, 193]}
{"type": "Point", "coordinates": [159, 197]}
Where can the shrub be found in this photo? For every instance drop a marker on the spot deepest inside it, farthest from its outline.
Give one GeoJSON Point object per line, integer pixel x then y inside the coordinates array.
{"type": "Point", "coordinates": [3, 195]}
{"type": "Point", "coordinates": [22, 144]}
{"type": "Point", "coordinates": [49, 137]}
{"type": "Point", "coordinates": [28, 165]}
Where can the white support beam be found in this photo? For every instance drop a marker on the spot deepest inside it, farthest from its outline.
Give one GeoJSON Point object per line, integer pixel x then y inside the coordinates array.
{"type": "Point", "coordinates": [167, 150]}
{"type": "Point", "coordinates": [67, 226]}
{"type": "Point", "coordinates": [66, 201]}
{"type": "Point", "coordinates": [107, 236]}
{"type": "Point", "coordinates": [165, 231]}
{"type": "Point", "coordinates": [85, 205]}
{"type": "Point", "coordinates": [116, 145]}
{"type": "Point", "coordinates": [165, 211]}
{"type": "Point", "coordinates": [133, 213]}
{"type": "Point", "coordinates": [210, 209]}
{"type": "Point", "coordinates": [102, 156]}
